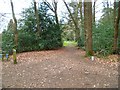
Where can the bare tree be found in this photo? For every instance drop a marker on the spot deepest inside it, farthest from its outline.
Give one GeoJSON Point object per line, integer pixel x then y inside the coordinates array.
{"type": "Point", "coordinates": [88, 27]}
{"type": "Point", "coordinates": [75, 20]}
{"type": "Point", "coordinates": [116, 27]}
{"type": "Point", "coordinates": [53, 8]}
{"type": "Point", "coordinates": [106, 6]}
{"type": "Point", "coordinates": [14, 26]}
{"type": "Point", "coordinates": [37, 17]}
{"type": "Point", "coordinates": [94, 11]}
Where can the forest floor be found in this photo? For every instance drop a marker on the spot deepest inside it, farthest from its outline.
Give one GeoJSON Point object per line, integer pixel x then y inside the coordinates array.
{"type": "Point", "coordinates": [64, 68]}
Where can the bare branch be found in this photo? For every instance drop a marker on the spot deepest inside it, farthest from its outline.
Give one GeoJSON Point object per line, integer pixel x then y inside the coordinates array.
{"type": "Point", "coordinates": [70, 12]}
{"type": "Point", "coordinates": [48, 4]}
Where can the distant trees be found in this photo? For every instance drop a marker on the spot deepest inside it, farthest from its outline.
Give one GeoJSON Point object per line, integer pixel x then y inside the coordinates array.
{"type": "Point", "coordinates": [74, 17]}
{"type": "Point", "coordinates": [2, 15]}
{"type": "Point", "coordinates": [94, 38]}
{"type": "Point", "coordinates": [77, 19]}
{"type": "Point", "coordinates": [8, 38]}
{"type": "Point", "coordinates": [53, 8]}
{"type": "Point", "coordinates": [10, 25]}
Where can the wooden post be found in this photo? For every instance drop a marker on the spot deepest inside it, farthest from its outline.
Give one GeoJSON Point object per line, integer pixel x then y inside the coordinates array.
{"type": "Point", "coordinates": [14, 56]}
{"type": "Point", "coordinates": [3, 55]}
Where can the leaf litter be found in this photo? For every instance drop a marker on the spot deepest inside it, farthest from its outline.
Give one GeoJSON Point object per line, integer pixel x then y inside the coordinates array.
{"type": "Point", "coordinates": [63, 68]}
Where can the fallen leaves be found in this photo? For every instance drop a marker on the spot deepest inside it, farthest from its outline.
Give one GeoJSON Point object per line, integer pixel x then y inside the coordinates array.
{"type": "Point", "coordinates": [59, 68]}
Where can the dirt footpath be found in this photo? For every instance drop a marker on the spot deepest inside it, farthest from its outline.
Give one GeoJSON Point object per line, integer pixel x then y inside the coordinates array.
{"type": "Point", "coordinates": [64, 68]}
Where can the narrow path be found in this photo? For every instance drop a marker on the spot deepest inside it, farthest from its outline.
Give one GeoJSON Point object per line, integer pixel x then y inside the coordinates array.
{"type": "Point", "coordinates": [63, 68]}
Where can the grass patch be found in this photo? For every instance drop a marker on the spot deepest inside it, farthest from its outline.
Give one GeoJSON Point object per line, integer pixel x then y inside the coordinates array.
{"type": "Point", "coordinates": [69, 43]}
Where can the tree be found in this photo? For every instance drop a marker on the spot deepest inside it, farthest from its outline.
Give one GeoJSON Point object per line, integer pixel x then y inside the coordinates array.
{"type": "Point", "coordinates": [107, 9]}
{"type": "Point", "coordinates": [37, 17]}
{"type": "Point", "coordinates": [14, 25]}
{"type": "Point", "coordinates": [10, 25]}
{"type": "Point", "coordinates": [94, 11]}
{"type": "Point", "coordinates": [50, 36]}
{"type": "Point", "coordinates": [8, 38]}
{"type": "Point", "coordinates": [116, 27]}
{"type": "Point", "coordinates": [74, 19]}
{"type": "Point", "coordinates": [81, 13]}
{"type": "Point", "coordinates": [53, 8]}
{"type": "Point", "coordinates": [88, 27]}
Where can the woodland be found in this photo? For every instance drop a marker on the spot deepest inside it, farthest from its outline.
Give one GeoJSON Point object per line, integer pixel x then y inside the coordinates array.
{"type": "Point", "coordinates": [40, 41]}
{"type": "Point", "coordinates": [40, 27]}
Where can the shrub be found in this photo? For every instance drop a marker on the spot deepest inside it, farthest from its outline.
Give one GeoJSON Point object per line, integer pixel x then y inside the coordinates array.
{"type": "Point", "coordinates": [28, 40]}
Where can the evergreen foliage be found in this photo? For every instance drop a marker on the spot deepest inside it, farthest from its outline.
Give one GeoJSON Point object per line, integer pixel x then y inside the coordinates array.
{"type": "Point", "coordinates": [28, 40]}
{"type": "Point", "coordinates": [103, 34]}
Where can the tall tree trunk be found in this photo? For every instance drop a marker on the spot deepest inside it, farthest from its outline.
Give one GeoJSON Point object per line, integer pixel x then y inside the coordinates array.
{"type": "Point", "coordinates": [77, 30]}
{"type": "Point", "coordinates": [37, 18]}
{"type": "Point", "coordinates": [94, 11]}
{"type": "Point", "coordinates": [80, 6]}
{"type": "Point", "coordinates": [116, 28]}
{"type": "Point", "coordinates": [81, 19]}
{"type": "Point", "coordinates": [14, 26]}
{"type": "Point", "coordinates": [55, 11]}
{"type": "Point", "coordinates": [56, 18]}
{"type": "Point", "coordinates": [88, 27]}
